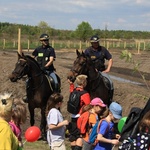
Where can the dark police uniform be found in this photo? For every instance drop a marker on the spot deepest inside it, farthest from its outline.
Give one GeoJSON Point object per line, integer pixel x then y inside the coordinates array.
{"type": "Point", "coordinates": [98, 56]}
{"type": "Point", "coordinates": [43, 54]}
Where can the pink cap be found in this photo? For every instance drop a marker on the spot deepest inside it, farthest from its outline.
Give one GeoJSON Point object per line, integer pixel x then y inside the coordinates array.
{"type": "Point", "coordinates": [97, 101]}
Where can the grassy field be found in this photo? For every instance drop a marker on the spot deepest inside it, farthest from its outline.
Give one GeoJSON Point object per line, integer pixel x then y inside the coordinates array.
{"type": "Point", "coordinates": [40, 145]}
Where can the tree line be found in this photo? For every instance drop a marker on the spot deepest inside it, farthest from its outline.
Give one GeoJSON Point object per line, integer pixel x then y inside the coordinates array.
{"type": "Point", "coordinates": [82, 32]}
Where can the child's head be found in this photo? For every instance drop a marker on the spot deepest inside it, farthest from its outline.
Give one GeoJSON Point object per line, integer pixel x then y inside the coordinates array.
{"type": "Point", "coordinates": [19, 112]}
{"type": "Point", "coordinates": [104, 113]}
{"type": "Point", "coordinates": [86, 108]}
{"type": "Point", "coordinates": [98, 105]}
{"type": "Point", "coordinates": [6, 106]}
{"type": "Point", "coordinates": [116, 110]}
{"type": "Point", "coordinates": [144, 125]}
{"type": "Point", "coordinates": [81, 80]}
{"type": "Point", "coordinates": [55, 100]}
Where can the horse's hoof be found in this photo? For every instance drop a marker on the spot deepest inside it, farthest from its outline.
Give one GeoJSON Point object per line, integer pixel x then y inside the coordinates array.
{"type": "Point", "coordinates": [44, 138]}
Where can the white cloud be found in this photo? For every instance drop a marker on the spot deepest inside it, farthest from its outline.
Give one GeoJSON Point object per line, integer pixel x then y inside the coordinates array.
{"type": "Point", "coordinates": [120, 20]}
{"type": "Point", "coordinates": [67, 14]}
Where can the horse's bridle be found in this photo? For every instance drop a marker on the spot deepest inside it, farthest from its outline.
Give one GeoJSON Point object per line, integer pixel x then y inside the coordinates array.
{"type": "Point", "coordinates": [25, 69]}
{"type": "Point", "coordinates": [81, 70]}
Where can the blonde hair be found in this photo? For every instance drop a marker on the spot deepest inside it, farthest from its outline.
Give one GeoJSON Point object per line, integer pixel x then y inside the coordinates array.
{"type": "Point", "coordinates": [6, 106]}
{"type": "Point", "coordinates": [81, 80]}
{"type": "Point", "coordinates": [19, 112]}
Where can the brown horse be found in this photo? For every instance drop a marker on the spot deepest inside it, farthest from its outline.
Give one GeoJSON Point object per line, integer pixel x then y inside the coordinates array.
{"type": "Point", "coordinates": [95, 85]}
{"type": "Point", "coordinates": [39, 87]}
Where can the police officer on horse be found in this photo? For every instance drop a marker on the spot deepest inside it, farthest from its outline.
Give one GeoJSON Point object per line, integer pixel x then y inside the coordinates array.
{"type": "Point", "coordinates": [99, 54]}
{"type": "Point", "coordinates": [45, 56]}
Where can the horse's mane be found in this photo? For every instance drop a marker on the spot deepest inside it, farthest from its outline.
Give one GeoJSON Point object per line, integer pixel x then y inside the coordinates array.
{"type": "Point", "coordinates": [86, 56]}
{"type": "Point", "coordinates": [32, 59]}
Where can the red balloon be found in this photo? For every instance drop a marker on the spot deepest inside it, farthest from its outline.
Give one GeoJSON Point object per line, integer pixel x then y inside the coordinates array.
{"type": "Point", "coordinates": [32, 134]}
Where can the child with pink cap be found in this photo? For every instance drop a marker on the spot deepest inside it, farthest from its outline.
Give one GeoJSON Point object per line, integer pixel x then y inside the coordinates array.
{"type": "Point", "coordinates": [97, 110]}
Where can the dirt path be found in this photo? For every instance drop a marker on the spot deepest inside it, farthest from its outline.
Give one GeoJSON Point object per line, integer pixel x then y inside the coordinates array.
{"type": "Point", "coordinates": [127, 94]}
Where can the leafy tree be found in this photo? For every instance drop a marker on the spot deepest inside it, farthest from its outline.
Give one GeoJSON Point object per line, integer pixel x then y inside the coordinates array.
{"type": "Point", "coordinates": [44, 27]}
{"type": "Point", "coordinates": [84, 31]}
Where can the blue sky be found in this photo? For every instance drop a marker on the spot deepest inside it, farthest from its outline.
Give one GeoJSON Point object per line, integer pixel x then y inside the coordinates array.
{"type": "Point", "coordinates": [68, 14]}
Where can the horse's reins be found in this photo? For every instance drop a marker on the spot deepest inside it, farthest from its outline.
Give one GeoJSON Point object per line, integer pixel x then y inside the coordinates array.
{"type": "Point", "coordinates": [36, 75]}
{"type": "Point", "coordinates": [97, 82]}
{"type": "Point", "coordinates": [84, 66]}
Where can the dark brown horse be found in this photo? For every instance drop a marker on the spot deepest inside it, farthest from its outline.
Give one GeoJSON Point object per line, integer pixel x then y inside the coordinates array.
{"type": "Point", "coordinates": [95, 85]}
{"type": "Point", "coordinates": [39, 89]}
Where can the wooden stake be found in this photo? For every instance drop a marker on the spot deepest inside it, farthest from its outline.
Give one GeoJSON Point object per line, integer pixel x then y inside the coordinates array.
{"type": "Point", "coordinates": [19, 41]}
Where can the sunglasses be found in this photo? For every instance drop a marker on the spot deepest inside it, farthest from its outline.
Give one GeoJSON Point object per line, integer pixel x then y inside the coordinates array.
{"type": "Point", "coordinates": [44, 40]}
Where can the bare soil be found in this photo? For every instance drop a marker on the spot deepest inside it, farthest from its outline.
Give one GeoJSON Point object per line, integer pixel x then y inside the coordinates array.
{"type": "Point", "coordinates": [126, 93]}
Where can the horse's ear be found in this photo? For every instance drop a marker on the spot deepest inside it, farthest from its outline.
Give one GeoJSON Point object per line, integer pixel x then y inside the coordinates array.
{"type": "Point", "coordinates": [19, 56]}
{"type": "Point", "coordinates": [23, 55]}
{"type": "Point", "coordinates": [82, 53]}
{"type": "Point", "coordinates": [77, 52]}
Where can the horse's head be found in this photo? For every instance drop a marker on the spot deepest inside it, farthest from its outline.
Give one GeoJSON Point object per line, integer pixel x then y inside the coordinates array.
{"type": "Point", "coordinates": [79, 66]}
{"type": "Point", "coordinates": [21, 68]}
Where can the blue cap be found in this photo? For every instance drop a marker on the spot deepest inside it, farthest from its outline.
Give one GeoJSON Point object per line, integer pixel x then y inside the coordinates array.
{"type": "Point", "coordinates": [116, 110]}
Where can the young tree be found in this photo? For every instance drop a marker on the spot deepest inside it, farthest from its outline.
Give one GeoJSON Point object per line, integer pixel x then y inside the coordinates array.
{"type": "Point", "coordinates": [128, 58]}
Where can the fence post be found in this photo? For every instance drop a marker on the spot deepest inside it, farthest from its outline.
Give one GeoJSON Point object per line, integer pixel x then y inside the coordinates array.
{"type": "Point", "coordinates": [19, 41]}
{"type": "Point", "coordinates": [68, 44]}
{"type": "Point", "coordinates": [4, 42]}
{"type": "Point", "coordinates": [138, 47]}
{"type": "Point", "coordinates": [53, 43]}
{"type": "Point", "coordinates": [14, 44]}
{"type": "Point", "coordinates": [80, 46]}
{"type": "Point", "coordinates": [124, 45]}
{"type": "Point", "coordinates": [28, 45]}
{"type": "Point", "coordinates": [144, 45]}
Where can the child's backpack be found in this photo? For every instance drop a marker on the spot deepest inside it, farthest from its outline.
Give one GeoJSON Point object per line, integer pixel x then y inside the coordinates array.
{"type": "Point", "coordinates": [130, 127]}
{"type": "Point", "coordinates": [73, 104]}
{"type": "Point", "coordinates": [95, 130]}
{"type": "Point", "coordinates": [140, 141]}
{"type": "Point", "coordinates": [82, 122]}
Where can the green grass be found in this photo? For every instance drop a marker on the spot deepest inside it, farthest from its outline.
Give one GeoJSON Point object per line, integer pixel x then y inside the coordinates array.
{"type": "Point", "coordinates": [40, 145]}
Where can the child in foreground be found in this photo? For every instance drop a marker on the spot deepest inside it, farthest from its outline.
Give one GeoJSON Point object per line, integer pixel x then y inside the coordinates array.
{"type": "Point", "coordinates": [106, 130]}
{"type": "Point", "coordinates": [8, 141]}
{"type": "Point", "coordinates": [18, 117]}
{"type": "Point", "coordinates": [56, 124]}
{"type": "Point", "coordinates": [96, 110]}
{"type": "Point", "coordinates": [75, 139]}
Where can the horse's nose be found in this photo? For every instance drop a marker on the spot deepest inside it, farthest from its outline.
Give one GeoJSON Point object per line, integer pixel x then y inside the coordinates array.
{"type": "Point", "coordinates": [12, 78]}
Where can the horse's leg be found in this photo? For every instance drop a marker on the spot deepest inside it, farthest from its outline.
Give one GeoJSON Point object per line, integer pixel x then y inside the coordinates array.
{"type": "Point", "coordinates": [31, 110]}
{"type": "Point", "coordinates": [43, 124]}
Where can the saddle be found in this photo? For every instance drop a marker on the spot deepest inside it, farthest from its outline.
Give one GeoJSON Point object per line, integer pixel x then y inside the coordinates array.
{"type": "Point", "coordinates": [55, 87]}
{"type": "Point", "coordinates": [108, 83]}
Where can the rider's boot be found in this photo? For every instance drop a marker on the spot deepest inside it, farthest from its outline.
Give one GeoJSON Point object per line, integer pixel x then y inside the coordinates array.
{"type": "Point", "coordinates": [25, 98]}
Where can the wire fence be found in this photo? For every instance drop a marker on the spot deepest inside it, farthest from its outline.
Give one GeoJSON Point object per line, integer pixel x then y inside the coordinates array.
{"type": "Point", "coordinates": [58, 44]}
